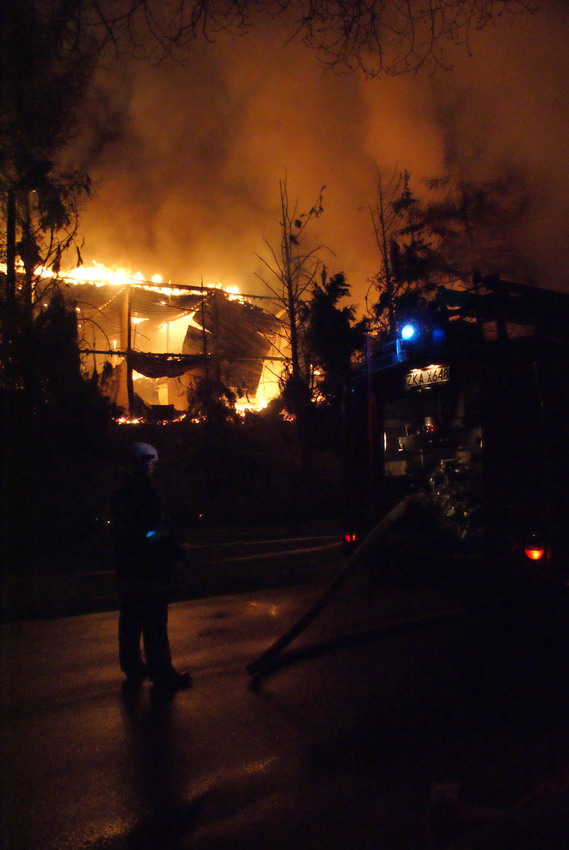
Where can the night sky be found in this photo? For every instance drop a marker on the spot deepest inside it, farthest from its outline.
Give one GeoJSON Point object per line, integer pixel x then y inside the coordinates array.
{"type": "Point", "coordinates": [187, 158]}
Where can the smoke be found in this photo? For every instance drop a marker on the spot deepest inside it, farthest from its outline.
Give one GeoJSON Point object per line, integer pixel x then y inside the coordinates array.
{"type": "Point", "coordinates": [504, 115]}
{"type": "Point", "coordinates": [187, 158]}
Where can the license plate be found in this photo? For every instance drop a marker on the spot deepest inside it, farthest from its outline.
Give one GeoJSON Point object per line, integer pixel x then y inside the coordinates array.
{"type": "Point", "coordinates": [417, 378]}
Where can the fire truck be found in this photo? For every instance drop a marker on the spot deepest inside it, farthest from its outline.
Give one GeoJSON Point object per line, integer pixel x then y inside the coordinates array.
{"type": "Point", "coordinates": [465, 414]}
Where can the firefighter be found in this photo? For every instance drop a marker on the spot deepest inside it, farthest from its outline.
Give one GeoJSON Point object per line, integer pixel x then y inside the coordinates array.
{"type": "Point", "coordinates": [145, 557]}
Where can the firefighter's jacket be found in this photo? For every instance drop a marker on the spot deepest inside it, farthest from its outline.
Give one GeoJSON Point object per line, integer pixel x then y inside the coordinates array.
{"type": "Point", "coordinates": [145, 552]}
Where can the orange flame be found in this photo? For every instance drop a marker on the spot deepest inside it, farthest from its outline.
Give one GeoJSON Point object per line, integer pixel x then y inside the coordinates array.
{"type": "Point", "coordinates": [98, 274]}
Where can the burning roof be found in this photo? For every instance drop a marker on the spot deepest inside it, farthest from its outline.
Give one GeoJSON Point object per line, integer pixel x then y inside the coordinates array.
{"type": "Point", "coordinates": [166, 332]}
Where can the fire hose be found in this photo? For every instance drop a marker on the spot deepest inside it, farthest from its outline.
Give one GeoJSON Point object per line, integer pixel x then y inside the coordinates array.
{"type": "Point", "coordinates": [270, 660]}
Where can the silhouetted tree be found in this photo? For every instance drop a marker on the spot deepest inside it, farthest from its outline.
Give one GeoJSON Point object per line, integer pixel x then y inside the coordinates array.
{"type": "Point", "coordinates": [292, 269]}
{"type": "Point", "coordinates": [409, 262]}
{"type": "Point", "coordinates": [460, 230]}
{"type": "Point", "coordinates": [332, 336]}
{"type": "Point", "coordinates": [475, 223]}
{"type": "Point", "coordinates": [53, 485]}
{"type": "Point", "coordinates": [44, 75]}
{"type": "Point", "coordinates": [44, 396]}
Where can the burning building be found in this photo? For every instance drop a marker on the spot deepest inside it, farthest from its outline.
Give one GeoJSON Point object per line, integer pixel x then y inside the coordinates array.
{"type": "Point", "coordinates": [155, 341]}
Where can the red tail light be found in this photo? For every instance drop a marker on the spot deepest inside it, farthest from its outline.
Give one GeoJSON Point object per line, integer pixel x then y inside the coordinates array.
{"type": "Point", "coordinates": [534, 550]}
{"type": "Point", "coordinates": [350, 538]}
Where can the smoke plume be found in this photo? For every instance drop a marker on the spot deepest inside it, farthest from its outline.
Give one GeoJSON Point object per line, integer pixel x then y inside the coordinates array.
{"type": "Point", "coordinates": [187, 158]}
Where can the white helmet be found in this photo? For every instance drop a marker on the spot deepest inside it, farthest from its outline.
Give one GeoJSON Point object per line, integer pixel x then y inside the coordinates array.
{"type": "Point", "coordinates": [143, 454]}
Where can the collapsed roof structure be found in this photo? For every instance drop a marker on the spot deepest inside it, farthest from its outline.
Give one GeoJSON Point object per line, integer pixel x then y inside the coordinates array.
{"type": "Point", "coordinates": [160, 339]}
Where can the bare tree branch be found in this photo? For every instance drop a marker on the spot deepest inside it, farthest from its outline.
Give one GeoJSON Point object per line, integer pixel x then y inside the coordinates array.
{"type": "Point", "coordinates": [376, 36]}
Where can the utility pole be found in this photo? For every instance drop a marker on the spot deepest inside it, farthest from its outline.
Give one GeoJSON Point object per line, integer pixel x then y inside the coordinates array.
{"type": "Point", "coordinates": [7, 553]}
{"type": "Point", "coordinates": [370, 434]}
{"type": "Point", "coordinates": [126, 388]}
{"type": "Point", "coordinates": [10, 290]}
{"type": "Point", "coordinates": [129, 382]}
{"type": "Point", "coordinates": [216, 320]}
{"type": "Point", "coordinates": [204, 332]}
{"type": "Point", "coordinates": [10, 252]}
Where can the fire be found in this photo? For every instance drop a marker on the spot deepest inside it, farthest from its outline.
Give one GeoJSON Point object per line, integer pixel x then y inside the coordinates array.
{"type": "Point", "coordinates": [242, 407]}
{"type": "Point", "coordinates": [167, 336]}
{"type": "Point", "coordinates": [98, 274]}
{"type": "Point", "coordinates": [141, 420]}
{"type": "Point", "coordinates": [130, 420]}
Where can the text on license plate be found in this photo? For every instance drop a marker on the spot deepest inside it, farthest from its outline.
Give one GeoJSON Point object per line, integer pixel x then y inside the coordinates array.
{"type": "Point", "coordinates": [426, 377]}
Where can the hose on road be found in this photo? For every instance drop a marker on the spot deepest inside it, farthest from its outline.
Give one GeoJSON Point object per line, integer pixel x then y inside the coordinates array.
{"type": "Point", "coordinates": [352, 639]}
{"type": "Point", "coordinates": [261, 665]}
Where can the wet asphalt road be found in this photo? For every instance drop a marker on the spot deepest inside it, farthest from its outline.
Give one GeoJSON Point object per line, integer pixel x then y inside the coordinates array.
{"type": "Point", "coordinates": [341, 750]}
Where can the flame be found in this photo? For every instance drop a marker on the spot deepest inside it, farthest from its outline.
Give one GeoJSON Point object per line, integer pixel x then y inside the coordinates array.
{"type": "Point", "coordinates": [243, 407]}
{"type": "Point", "coordinates": [101, 275]}
{"type": "Point", "coordinates": [129, 420]}
{"type": "Point", "coordinates": [141, 420]}
{"type": "Point", "coordinates": [98, 274]}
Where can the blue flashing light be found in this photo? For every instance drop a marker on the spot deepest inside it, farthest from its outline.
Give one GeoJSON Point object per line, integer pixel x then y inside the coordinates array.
{"type": "Point", "coordinates": [408, 332]}
{"type": "Point", "coordinates": [151, 533]}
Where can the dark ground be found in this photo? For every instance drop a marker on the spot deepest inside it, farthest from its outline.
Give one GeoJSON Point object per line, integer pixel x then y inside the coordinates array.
{"type": "Point", "coordinates": [341, 750]}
